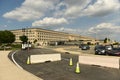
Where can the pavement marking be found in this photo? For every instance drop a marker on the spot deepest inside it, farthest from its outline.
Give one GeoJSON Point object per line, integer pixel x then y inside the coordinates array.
{"type": "Point", "coordinates": [66, 59]}
{"type": "Point", "coordinates": [15, 61]}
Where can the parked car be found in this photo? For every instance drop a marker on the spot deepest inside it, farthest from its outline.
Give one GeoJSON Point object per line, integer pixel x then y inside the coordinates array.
{"type": "Point", "coordinates": [113, 52]}
{"type": "Point", "coordinates": [84, 47]}
{"type": "Point", "coordinates": [108, 47]}
{"type": "Point", "coordinates": [118, 45]}
{"type": "Point", "coordinates": [81, 45]}
{"type": "Point", "coordinates": [100, 49]}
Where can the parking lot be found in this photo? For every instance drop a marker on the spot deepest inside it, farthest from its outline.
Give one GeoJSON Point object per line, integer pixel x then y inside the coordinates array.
{"type": "Point", "coordinates": [60, 70]}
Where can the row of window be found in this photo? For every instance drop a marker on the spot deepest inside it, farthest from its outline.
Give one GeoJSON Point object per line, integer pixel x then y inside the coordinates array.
{"type": "Point", "coordinates": [32, 35]}
{"type": "Point", "coordinates": [45, 36]}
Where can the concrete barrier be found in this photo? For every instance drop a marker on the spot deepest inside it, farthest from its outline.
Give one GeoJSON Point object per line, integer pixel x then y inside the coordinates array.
{"type": "Point", "coordinates": [44, 58]}
{"type": "Point", "coordinates": [106, 61]}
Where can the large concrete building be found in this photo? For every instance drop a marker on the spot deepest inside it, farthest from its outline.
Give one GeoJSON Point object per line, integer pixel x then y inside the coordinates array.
{"type": "Point", "coordinates": [45, 37]}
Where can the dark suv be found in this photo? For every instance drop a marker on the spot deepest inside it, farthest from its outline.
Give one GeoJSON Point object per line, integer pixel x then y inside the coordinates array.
{"type": "Point", "coordinates": [100, 49]}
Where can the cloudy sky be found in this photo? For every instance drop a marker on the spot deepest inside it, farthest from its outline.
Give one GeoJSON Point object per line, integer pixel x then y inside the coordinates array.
{"type": "Point", "coordinates": [96, 18]}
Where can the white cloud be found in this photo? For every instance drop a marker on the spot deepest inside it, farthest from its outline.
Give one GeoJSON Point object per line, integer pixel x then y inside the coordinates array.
{"type": "Point", "coordinates": [99, 31]}
{"type": "Point", "coordinates": [71, 8]}
{"type": "Point", "coordinates": [105, 27]}
{"type": "Point", "coordinates": [55, 9]}
{"type": "Point", "coordinates": [50, 22]}
{"type": "Point", "coordinates": [63, 29]}
{"type": "Point", "coordinates": [102, 7]}
{"type": "Point", "coordinates": [105, 30]}
{"type": "Point", "coordinates": [74, 8]}
{"type": "Point", "coordinates": [80, 8]}
{"type": "Point", "coordinates": [30, 10]}
{"type": "Point", "coordinates": [71, 30]}
{"type": "Point", "coordinates": [35, 9]}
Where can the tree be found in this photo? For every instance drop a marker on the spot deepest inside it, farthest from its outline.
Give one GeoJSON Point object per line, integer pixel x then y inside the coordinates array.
{"type": "Point", "coordinates": [35, 41]}
{"type": "Point", "coordinates": [106, 40]}
{"type": "Point", "coordinates": [23, 38]}
{"type": "Point", "coordinates": [7, 37]}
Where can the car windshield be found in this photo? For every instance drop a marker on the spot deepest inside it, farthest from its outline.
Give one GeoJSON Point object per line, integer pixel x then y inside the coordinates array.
{"type": "Point", "coordinates": [116, 49]}
{"type": "Point", "coordinates": [84, 45]}
{"type": "Point", "coordinates": [108, 46]}
{"type": "Point", "coordinates": [100, 47]}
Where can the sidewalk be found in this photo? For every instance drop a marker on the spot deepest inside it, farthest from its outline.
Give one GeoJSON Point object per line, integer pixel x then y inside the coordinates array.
{"type": "Point", "coordinates": [9, 71]}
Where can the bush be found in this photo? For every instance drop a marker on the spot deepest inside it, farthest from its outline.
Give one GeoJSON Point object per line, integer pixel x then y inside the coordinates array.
{"type": "Point", "coordinates": [16, 45]}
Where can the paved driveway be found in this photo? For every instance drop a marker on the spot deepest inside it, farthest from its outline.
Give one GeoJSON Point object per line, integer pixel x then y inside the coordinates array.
{"type": "Point", "coordinates": [60, 70]}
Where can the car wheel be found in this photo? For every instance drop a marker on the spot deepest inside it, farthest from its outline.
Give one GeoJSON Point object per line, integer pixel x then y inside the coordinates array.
{"type": "Point", "coordinates": [96, 53]}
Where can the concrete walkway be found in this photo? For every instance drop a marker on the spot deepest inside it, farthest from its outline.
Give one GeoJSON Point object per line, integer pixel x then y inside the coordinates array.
{"type": "Point", "coordinates": [9, 71]}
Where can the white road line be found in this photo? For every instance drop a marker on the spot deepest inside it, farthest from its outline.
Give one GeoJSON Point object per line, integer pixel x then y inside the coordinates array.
{"type": "Point", "coordinates": [15, 61]}
{"type": "Point", "coordinates": [66, 59]}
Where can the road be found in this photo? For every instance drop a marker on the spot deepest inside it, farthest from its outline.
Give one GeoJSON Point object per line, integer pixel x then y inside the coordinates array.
{"type": "Point", "coordinates": [60, 70]}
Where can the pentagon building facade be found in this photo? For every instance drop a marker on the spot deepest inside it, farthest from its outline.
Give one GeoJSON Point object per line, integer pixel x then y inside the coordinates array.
{"type": "Point", "coordinates": [45, 37]}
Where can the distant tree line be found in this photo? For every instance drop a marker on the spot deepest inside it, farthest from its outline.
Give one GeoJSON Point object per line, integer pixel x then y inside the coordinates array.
{"type": "Point", "coordinates": [7, 37]}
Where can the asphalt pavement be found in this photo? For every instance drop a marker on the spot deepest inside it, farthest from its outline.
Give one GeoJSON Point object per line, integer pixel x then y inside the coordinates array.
{"type": "Point", "coordinates": [60, 70]}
